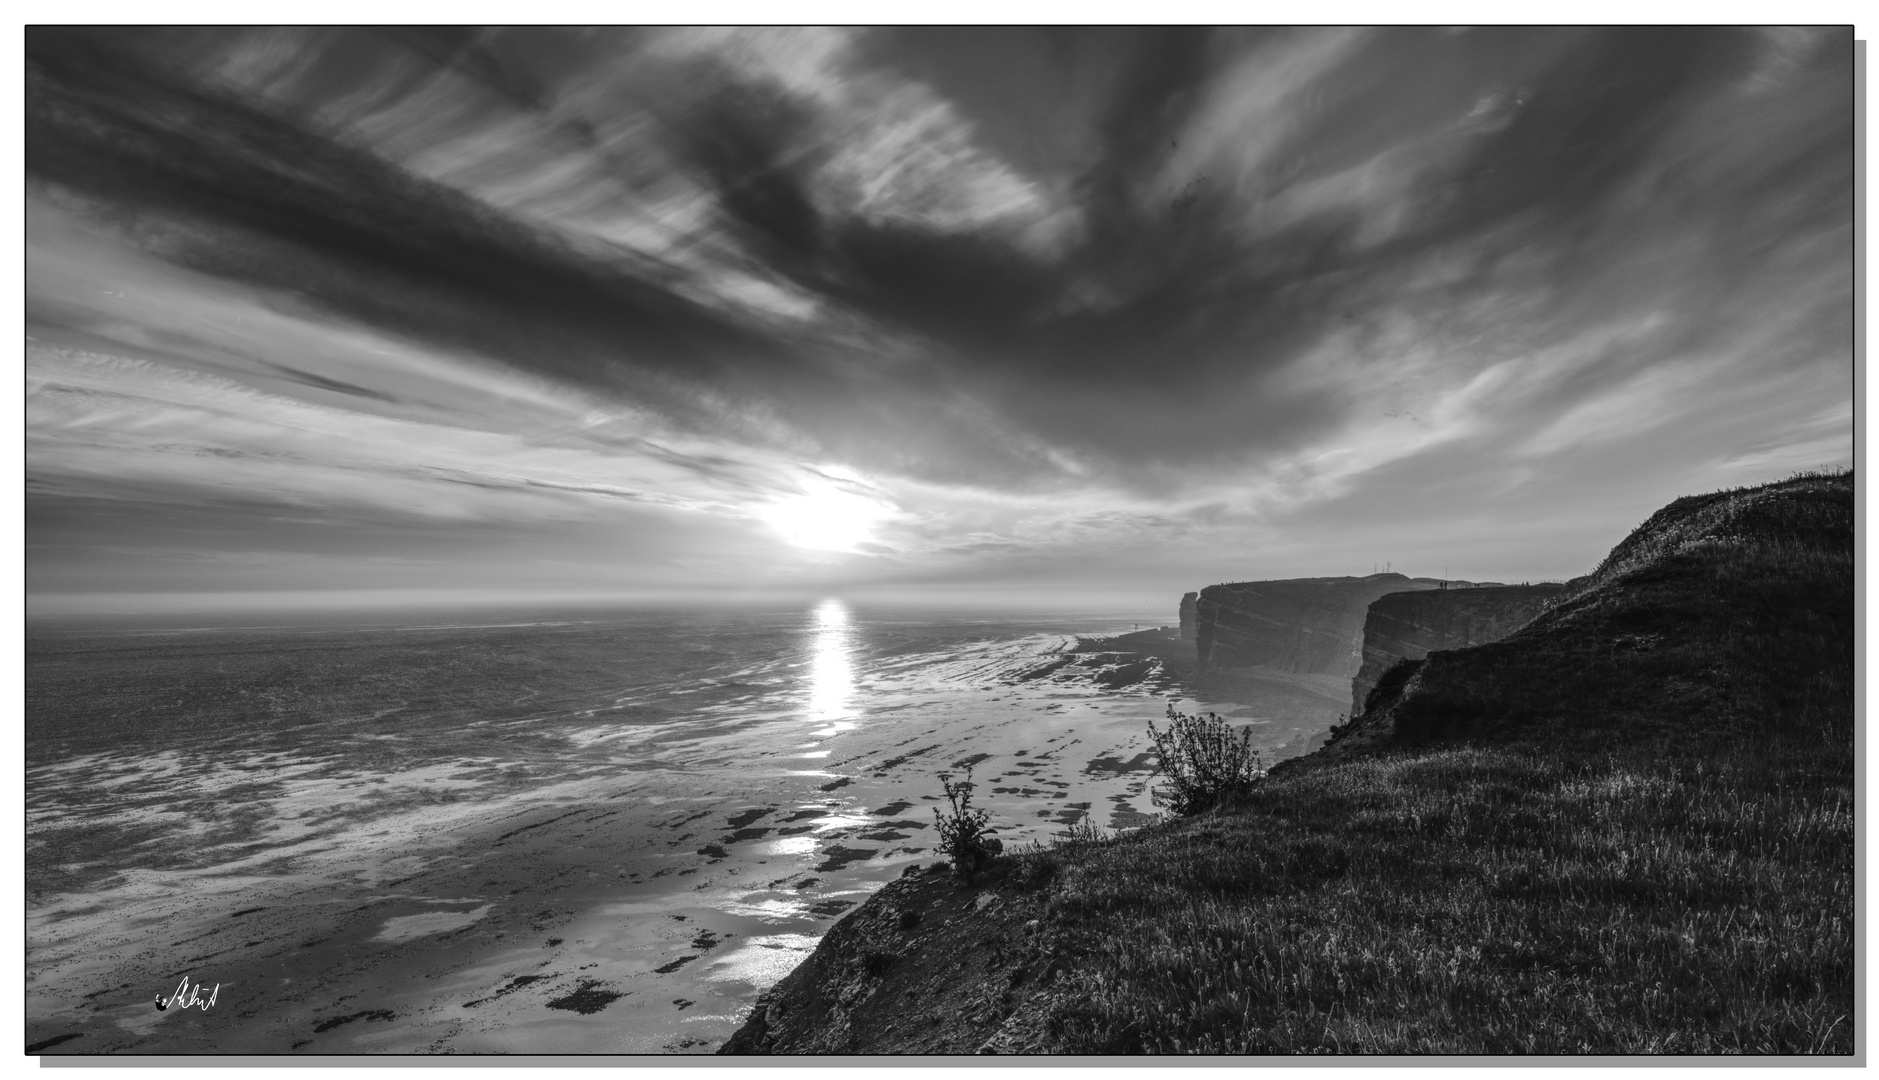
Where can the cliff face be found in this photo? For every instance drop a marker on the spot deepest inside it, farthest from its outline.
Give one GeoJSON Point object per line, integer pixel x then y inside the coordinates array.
{"type": "Point", "coordinates": [1188, 617]}
{"type": "Point", "coordinates": [1304, 626]}
{"type": "Point", "coordinates": [1411, 625]}
{"type": "Point", "coordinates": [1722, 613]}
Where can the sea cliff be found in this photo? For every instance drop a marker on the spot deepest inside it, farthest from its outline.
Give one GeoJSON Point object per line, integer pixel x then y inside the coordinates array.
{"type": "Point", "coordinates": [1721, 614]}
{"type": "Point", "coordinates": [1301, 626]}
{"type": "Point", "coordinates": [1411, 625]}
{"type": "Point", "coordinates": [1626, 827]}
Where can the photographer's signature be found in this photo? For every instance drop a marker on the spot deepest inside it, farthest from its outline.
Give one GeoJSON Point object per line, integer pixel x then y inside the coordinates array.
{"type": "Point", "coordinates": [187, 996]}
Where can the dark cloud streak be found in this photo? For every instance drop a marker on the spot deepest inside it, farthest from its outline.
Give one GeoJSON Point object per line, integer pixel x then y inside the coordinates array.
{"type": "Point", "coordinates": [1248, 269]}
{"type": "Point", "coordinates": [1182, 309]}
{"type": "Point", "coordinates": [245, 196]}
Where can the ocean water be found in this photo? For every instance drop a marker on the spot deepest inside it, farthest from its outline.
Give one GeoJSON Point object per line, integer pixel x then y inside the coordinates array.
{"type": "Point", "coordinates": [588, 833]}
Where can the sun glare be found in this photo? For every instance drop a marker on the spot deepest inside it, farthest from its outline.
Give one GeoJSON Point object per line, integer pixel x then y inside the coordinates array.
{"type": "Point", "coordinates": [825, 520]}
{"type": "Point", "coordinates": [831, 672]}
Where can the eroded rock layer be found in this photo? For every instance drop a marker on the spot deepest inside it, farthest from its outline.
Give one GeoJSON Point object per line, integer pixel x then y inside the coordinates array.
{"type": "Point", "coordinates": [1411, 625]}
{"type": "Point", "coordinates": [1724, 616]}
{"type": "Point", "coordinates": [1723, 613]}
{"type": "Point", "coordinates": [1305, 626]}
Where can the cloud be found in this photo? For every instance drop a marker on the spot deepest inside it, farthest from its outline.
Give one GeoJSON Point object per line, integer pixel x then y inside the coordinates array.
{"type": "Point", "coordinates": [1649, 400]}
{"type": "Point", "coordinates": [1261, 102]}
{"type": "Point", "coordinates": [97, 418]}
{"type": "Point", "coordinates": [1045, 294]}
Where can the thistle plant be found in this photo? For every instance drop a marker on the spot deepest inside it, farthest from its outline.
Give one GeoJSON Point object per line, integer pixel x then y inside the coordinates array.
{"type": "Point", "coordinates": [1207, 763]}
{"type": "Point", "coordinates": [965, 832]}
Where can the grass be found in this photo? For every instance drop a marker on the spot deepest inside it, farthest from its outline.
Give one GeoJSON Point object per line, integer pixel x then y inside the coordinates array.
{"type": "Point", "coordinates": [1733, 615]}
{"type": "Point", "coordinates": [1626, 829]}
{"type": "Point", "coordinates": [1478, 900]}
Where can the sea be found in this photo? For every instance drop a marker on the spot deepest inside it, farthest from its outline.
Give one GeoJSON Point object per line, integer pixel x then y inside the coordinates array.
{"type": "Point", "coordinates": [571, 833]}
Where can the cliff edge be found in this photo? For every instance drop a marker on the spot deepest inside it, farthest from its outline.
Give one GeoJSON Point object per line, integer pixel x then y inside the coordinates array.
{"type": "Point", "coordinates": [1411, 625]}
{"type": "Point", "coordinates": [1722, 613]}
{"type": "Point", "coordinates": [1628, 827]}
{"type": "Point", "coordinates": [1302, 626]}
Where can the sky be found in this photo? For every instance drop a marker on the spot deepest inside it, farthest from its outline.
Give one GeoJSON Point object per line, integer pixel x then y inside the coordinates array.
{"type": "Point", "coordinates": [1077, 317]}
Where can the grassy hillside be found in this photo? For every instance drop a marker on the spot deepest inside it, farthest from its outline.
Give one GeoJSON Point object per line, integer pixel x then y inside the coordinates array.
{"type": "Point", "coordinates": [1479, 900]}
{"type": "Point", "coordinates": [1627, 828]}
{"type": "Point", "coordinates": [1725, 613]}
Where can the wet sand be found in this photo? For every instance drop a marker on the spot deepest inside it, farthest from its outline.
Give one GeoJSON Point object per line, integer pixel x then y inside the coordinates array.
{"type": "Point", "coordinates": [616, 910]}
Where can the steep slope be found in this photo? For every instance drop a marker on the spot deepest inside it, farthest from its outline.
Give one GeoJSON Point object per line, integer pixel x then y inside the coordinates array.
{"type": "Point", "coordinates": [929, 965]}
{"type": "Point", "coordinates": [1304, 626]}
{"type": "Point", "coordinates": [1729, 612]}
{"type": "Point", "coordinates": [1411, 625]}
{"type": "Point", "coordinates": [1626, 828]}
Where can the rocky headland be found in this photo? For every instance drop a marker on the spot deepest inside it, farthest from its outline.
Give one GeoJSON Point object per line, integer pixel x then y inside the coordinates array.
{"type": "Point", "coordinates": [1624, 827]}
{"type": "Point", "coordinates": [1411, 625]}
{"type": "Point", "coordinates": [1721, 614]}
{"type": "Point", "coordinates": [1303, 626]}
{"type": "Point", "coordinates": [1288, 648]}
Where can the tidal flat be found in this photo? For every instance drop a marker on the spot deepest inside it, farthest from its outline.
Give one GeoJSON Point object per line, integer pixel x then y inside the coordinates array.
{"type": "Point", "coordinates": [599, 835]}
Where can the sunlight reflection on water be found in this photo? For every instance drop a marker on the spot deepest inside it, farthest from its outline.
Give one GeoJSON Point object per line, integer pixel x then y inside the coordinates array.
{"type": "Point", "coordinates": [831, 672]}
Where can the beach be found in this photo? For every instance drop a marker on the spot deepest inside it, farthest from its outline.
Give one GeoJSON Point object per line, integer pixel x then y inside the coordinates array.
{"type": "Point", "coordinates": [618, 872]}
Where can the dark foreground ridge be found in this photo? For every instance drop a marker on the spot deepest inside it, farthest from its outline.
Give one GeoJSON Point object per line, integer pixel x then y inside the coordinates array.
{"type": "Point", "coordinates": [1625, 828]}
{"type": "Point", "coordinates": [1411, 625]}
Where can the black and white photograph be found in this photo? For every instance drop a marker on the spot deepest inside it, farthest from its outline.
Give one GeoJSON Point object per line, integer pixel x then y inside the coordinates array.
{"type": "Point", "coordinates": [926, 541]}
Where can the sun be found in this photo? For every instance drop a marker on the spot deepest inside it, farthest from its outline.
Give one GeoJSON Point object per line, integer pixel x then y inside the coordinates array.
{"type": "Point", "coordinates": [826, 520]}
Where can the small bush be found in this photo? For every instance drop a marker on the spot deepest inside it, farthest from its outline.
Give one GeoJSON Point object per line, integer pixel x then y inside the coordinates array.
{"type": "Point", "coordinates": [1207, 763]}
{"type": "Point", "coordinates": [1339, 729]}
{"type": "Point", "coordinates": [965, 833]}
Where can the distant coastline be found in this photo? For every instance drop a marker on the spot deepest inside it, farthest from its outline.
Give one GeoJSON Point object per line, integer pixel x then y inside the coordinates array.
{"type": "Point", "coordinates": [1533, 837]}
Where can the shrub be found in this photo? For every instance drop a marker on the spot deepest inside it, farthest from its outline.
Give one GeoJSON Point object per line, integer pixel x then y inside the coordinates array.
{"type": "Point", "coordinates": [1082, 831]}
{"type": "Point", "coordinates": [1207, 763]}
{"type": "Point", "coordinates": [965, 833]}
{"type": "Point", "coordinates": [1338, 730]}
